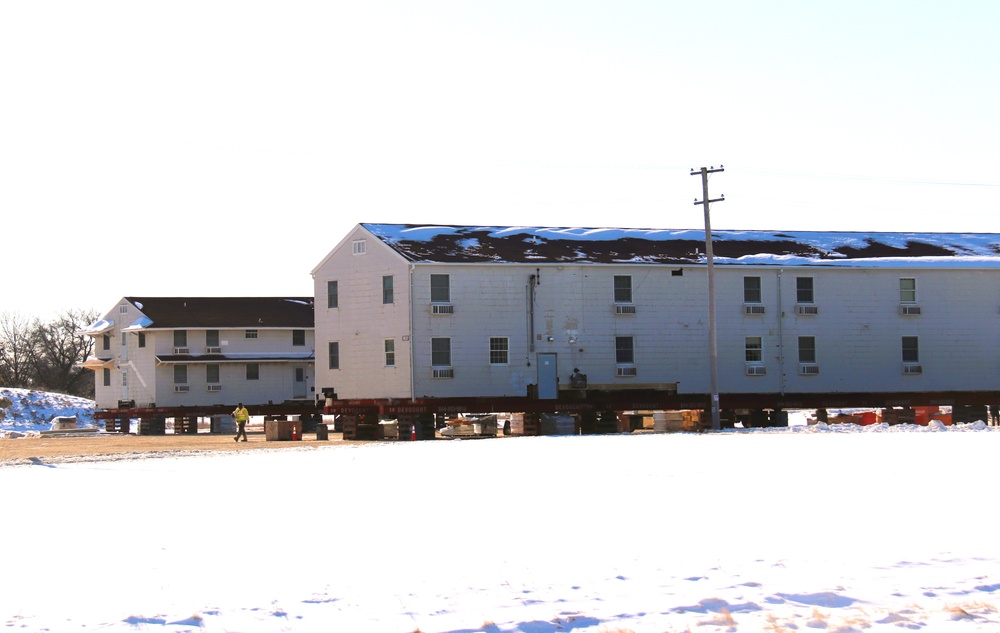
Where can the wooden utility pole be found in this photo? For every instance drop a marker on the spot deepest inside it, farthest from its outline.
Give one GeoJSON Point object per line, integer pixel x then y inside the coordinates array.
{"type": "Point", "coordinates": [713, 350]}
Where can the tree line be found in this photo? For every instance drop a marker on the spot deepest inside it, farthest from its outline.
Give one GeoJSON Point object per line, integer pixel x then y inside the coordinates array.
{"type": "Point", "coordinates": [46, 355]}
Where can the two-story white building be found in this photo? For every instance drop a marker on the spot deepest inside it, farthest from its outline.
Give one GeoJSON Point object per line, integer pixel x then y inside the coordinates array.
{"type": "Point", "coordinates": [407, 311]}
{"type": "Point", "coordinates": [203, 351]}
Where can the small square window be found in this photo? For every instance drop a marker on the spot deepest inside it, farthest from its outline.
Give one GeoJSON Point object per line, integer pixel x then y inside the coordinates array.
{"type": "Point", "coordinates": [390, 352]}
{"type": "Point", "coordinates": [359, 247]}
{"type": "Point", "coordinates": [250, 334]}
{"type": "Point", "coordinates": [298, 338]}
{"type": "Point", "coordinates": [499, 350]}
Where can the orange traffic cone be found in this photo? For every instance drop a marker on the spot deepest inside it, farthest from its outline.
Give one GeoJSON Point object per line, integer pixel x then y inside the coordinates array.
{"type": "Point", "coordinates": [413, 432]}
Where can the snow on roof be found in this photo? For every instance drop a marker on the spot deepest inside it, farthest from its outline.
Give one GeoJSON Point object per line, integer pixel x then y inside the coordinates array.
{"type": "Point", "coordinates": [520, 244]}
{"type": "Point", "coordinates": [141, 323]}
{"type": "Point", "coordinates": [95, 328]}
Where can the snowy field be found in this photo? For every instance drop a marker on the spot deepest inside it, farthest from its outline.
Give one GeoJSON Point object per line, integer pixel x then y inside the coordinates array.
{"type": "Point", "coordinates": [812, 528]}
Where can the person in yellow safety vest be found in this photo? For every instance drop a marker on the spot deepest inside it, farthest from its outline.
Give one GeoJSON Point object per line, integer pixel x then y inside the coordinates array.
{"type": "Point", "coordinates": [242, 415]}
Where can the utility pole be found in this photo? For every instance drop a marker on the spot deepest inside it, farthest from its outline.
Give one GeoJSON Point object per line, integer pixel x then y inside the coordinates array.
{"type": "Point", "coordinates": [713, 350]}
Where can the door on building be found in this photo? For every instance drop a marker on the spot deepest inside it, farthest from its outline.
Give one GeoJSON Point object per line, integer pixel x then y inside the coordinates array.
{"type": "Point", "coordinates": [299, 382]}
{"type": "Point", "coordinates": [548, 377]}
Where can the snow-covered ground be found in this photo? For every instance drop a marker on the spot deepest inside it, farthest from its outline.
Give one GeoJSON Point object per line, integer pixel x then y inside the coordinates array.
{"type": "Point", "coordinates": [842, 528]}
{"type": "Point", "coordinates": [32, 411]}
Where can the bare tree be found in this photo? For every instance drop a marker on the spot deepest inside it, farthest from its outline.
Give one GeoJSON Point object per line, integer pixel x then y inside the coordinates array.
{"type": "Point", "coordinates": [58, 352]}
{"type": "Point", "coordinates": [17, 350]}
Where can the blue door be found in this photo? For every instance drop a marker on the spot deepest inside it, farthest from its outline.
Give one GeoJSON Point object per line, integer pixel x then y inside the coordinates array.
{"type": "Point", "coordinates": [548, 377]}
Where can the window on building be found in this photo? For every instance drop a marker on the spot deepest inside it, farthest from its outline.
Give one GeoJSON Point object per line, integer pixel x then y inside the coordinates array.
{"type": "Point", "coordinates": [107, 377]}
{"type": "Point", "coordinates": [911, 349]}
{"type": "Point", "coordinates": [804, 289]}
{"type": "Point", "coordinates": [754, 346]}
{"type": "Point", "coordinates": [359, 247]}
{"type": "Point", "coordinates": [142, 339]}
{"type": "Point", "coordinates": [253, 371]}
{"type": "Point", "coordinates": [623, 288]}
{"type": "Point", "coordinates": [390, 352]}
{"type": "Point", "coordinates": [907, 290]}
{"type": "Point", "coordinates": [180, 338]}
{"type": "Point", "coordinates": [751, 290]}
{"type": "Point", "coordinates": [123, 309]}
{"type": "Point", "coordinates": [440, 289]}
{"type": "Point", "coordinates": [499, 350]}
{"type": "Point", "coordinates": [331, 294]}
{"type": "Point", "coordinates": [334, 351]}
{"type": "Point", "coordinates": [807, 349]}
{"type": "Point", "coordinates": [180, 374]}
{"type": "Point", "coordinates": [212, 373]}
{"type": "Point", "coordinates": [387, 289]}
{"type": "Point", "coordinates": [106, 342]}
{"type": "Point", "coordinates": [211, 338]}
{"type": "Point", "coordinates": [298, 338]}
{"type": "Point", "coordinates": [441, 352]}
{"type": "Point", "coordinates": [250, 334]}
{"type": "Point", "coordinates": [624, 350]}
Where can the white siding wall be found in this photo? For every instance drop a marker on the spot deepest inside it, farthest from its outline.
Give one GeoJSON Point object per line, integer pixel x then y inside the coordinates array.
{"type": "Point", "coordinates": [361, 323]}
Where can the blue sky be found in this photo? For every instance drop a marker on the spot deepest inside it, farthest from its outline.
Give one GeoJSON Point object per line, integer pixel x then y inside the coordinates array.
{"type": "Point", "coordinates": [223, 148]}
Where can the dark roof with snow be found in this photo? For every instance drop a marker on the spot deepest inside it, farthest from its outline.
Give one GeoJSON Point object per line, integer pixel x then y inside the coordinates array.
{"type": "Point", "coordinates": [489, 244]}
{"type": "Point", "coordinates": [226, 312]}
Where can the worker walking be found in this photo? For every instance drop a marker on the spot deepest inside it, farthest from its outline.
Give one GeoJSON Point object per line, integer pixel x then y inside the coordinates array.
{"type": "Point", "coordinates": [242, 415]}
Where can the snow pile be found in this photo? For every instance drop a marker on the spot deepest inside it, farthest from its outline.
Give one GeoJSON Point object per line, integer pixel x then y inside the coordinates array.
{"type": "Point", "coordinates": [32, 411]}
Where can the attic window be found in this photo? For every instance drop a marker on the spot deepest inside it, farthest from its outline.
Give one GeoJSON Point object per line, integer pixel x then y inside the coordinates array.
{"type": "Point", "coordinates": [359, 247]}
{"type": "Point", "coordinates": [123, 309]}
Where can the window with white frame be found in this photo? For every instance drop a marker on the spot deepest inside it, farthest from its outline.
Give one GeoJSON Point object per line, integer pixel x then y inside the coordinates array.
{"type": "Point", "coordinates": [440, 289]}
{"type": "Point", "coordinates": [441, 352]}
{"type": "Point", "coordinates": [754, 349]}
{"type": "Point", "coordinates": [253, 371]}
{"type": "Point", "coordinates": [623, 288]}
{"type": "Point", "coordinates": [625, 350]}
{"type": "Point", "coordinates": [907, 290]}
{"type": "Point", "coordinates": [332, 298]}
{"type": "Point", "coordinates": [499, 350]}
{"type": "Point", "coordinates": [911, 349]}
{"type": "Point", "coordinates": [212, 338]}
{"type": "Point", "coordinates": [390, 352]}
{"type": "Point", "coordinates": [180, 338]}
{"type": "Point", "coordinates": [751, 290]}
{"type": "Point", "coordinates": [180, 374]}
{"type": "Point", "coordinates": [807, 349]}
{"type": "Point", "coordinates": [333, 350]}
{"type": "Point", "coordinates": [804, 290]}
{"type": "Point", "coordinates": [387, 289]}
{"type": "Point", "coordinates": [359, 247]}
{"type": "Point", "coordinates": [212, 373]}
